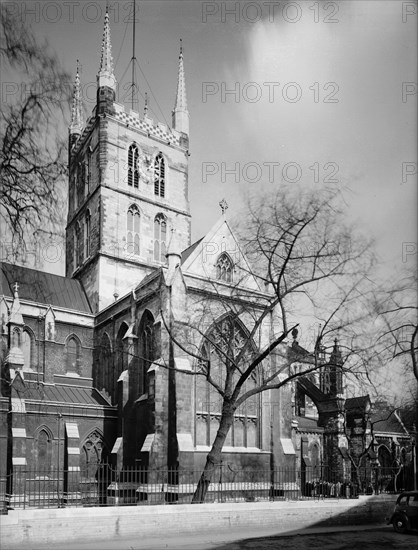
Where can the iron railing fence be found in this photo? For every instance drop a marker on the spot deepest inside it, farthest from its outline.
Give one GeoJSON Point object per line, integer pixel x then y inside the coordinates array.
{"type": "Point", "coordinates": [26, 488]}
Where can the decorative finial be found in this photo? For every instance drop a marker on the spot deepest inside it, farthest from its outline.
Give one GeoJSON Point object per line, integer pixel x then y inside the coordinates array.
{"type": "Point", "coordinates": [76, 110]}
{"type": "Point", "coordinates": [106, 76]}
{"type": "Point", "coordinates": [15, 315]}
{"type": "Point", "coordinates": [224, 206]}
{"type": "Point", "coordinates": [180, 114]}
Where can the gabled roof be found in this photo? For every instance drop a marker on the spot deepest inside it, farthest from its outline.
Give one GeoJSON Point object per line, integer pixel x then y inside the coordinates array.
{"type": "Point", "coordinates": [46, 288]}
{"type": "Point", "coordinates": [200, 258]}
{"type": "Point", "coordinates": [384, 422]}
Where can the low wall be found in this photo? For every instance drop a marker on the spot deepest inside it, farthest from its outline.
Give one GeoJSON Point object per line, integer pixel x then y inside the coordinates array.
{"type": "Point", "coordinates": [22, 528]}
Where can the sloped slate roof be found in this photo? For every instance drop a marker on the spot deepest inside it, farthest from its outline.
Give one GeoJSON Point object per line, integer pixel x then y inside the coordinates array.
{"type": "Point", "coordinates": [383, 424]}
{"type": "Point", "coordinates": [60, 393]}
{"type": "Point", "coordinates": [46, 288]}
{"type": "Point", "coordinates": [188, 251]}
{"type": "Point", "coordinates": [306, 424]}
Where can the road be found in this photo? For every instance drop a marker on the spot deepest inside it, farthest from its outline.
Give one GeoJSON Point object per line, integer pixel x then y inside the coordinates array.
{"type": "Point", "coordinates": [343, 538]}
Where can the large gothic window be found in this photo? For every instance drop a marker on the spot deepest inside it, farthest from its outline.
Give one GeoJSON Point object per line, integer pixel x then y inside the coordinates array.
{"type": "Point", "coordinates": [224, 268]}
{"type": "Point", "coordinates": [160, 237]}
{"type": "Point", "coordinates": [147, 349]}
{"type": "Point", "coordinates": [226, 339]}
{"type": "Point", "coordinates": [72, 355]}
{"type": "Point", "coordinates": [133, 171]}
{"type": "Point", "coordinates": [159, 175]}
{"type": "Point", "coordinates": [133, 231]}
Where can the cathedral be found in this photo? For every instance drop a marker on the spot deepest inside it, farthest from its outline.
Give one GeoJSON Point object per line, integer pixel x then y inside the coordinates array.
{"type": "Point", "coordinates": [85, 356]}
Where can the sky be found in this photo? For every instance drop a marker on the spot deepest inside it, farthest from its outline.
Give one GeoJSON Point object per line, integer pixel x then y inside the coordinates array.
{"type": "Point", "coordinates": [279, 93]}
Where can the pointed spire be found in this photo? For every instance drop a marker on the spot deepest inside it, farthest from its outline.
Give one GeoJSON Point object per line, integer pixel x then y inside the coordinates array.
{"type": "Point", "coordinates": [76, 110]}
{"type": "Point", "coordinates": [15, 316]}
{"type": "Point", "coordinates": [180, 113]}
{"type": "Point", "coordinates": [336, 356]}
{"type": "Point", "coordinates": [106, 76]}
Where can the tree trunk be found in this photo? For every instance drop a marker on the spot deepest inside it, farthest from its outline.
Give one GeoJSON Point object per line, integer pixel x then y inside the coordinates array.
{"type": "Point", "coordinates": [357, 477]}
{"type": "Point", "coordinates": [214, 457]}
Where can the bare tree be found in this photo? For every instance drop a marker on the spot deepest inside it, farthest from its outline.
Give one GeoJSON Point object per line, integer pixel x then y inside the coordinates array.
{"type": "Point", "coordinates": [33, 161]}
{"type": "Point", "coordinates": [397, 308]}
{"type": "Point", "coordinates": [308, 263]}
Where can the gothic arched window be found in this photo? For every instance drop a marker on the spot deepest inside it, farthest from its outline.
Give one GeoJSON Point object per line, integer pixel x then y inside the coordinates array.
{"type": "Point", "coordinates": [133, 226]}
{"type": "Point", "coordinates": [72, 355]}
{"type": "Point", "coordinates": [159, 175]}
{"type": "Point", "coordinates": [133, 172]}
{"type": "Point", "coordinates": [315, 457]}
{"type": "Point", "coordinates": [160, 237]}
{"type": "Point", "coordinates": [224, 268]}
{"type": "Point", "coordinates": [226, 339]}
{"type": "Point", "coordinates": [91, 455]}
{"type": "Point", "coordinates": [43, 450]}
{"type": "Point", "coordinates": [147, 348]}
{"type": "Point", "coordinates": [87, 234]}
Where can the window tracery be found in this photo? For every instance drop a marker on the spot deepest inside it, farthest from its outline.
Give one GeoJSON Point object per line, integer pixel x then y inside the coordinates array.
{"type": "Point", "coordinates": [159, 176]}
{"type": "Point", "coordinates": [223, 343]}
{"type": "Point", "coordinates": [224, 268]}
{"type": "Point", "coordinates": [160, 237]}
{"type": "Point", "coordinates": [133, 170]}
{"type": "Point", "coordinates": [133, 231]}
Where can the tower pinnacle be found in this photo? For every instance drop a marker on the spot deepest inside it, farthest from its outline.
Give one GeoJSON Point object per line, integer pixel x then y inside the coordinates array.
{"type": "Point", "coordinates": [76, 111]}
{"type": "Point", "coordinates": [106, 76]}
{"type": "Point", "coordinates": [180, 114]}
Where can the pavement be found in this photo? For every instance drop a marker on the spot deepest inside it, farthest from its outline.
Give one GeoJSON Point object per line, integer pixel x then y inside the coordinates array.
{"type": "Point", "coordinates": [364, 537]}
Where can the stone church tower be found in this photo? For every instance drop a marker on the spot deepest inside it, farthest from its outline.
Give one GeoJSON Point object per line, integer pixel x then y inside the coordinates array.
{"type": "Point", "coordinates": [128, 187]}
